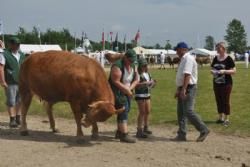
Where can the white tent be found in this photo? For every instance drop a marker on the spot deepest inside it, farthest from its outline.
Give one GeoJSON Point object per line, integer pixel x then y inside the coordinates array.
{"type": "Point", "coordinates": [202, 52]}
{"type": "Point", "coordinates": [170, 53]}
{"type": "Point", "coordinates": [138, 50]}
{"type": "Point", "coordinates": [29, 48]}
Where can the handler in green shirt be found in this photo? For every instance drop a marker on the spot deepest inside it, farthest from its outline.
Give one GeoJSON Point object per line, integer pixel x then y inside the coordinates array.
{"type": "Point", "coordinates": [10, 62]}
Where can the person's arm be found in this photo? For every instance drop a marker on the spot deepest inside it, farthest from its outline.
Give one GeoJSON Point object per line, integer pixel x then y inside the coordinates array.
{"type": "Point", "coordinates": [187, 76]}
{"type": "Point", "coordinates": [116, 75]}
{"type": "Point", "coordinates": [2, 77]}
{"type": "Point", "coordinates": [185, 85]}
{"type": "Point", "coordinates": [135, 81]}
{"type": "Point", "coordinates": [231, 70]}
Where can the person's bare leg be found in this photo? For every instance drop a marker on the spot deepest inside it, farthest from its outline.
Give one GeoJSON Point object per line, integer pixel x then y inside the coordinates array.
{"type": "Point", "coordinates": [141, 108]}
{"type": "Point", "coordinates": [146, 117]}
{"type": "Point", "coordinates": [18, 113]}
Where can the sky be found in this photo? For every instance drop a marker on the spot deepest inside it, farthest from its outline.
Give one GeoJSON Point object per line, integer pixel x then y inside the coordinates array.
{"type": "Point", "coordinates": [158, 20]}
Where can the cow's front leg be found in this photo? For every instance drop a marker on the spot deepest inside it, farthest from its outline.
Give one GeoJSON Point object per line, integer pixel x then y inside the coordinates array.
{"type": "Point", "coordinates": [94, 131]}
{"type": "Point", "coordinates": [78, 117]}
{"type": "Point", "coordinates": [49, 110]}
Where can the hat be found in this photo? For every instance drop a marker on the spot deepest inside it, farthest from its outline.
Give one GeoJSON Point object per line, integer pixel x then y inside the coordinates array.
{"type": "Point", "coordinates": [181, 45]}
{"type": "Point", "coordinates": [142, 62]}
{"type": "Point", "coordinates": [14, 40]}
{"type": "Point", "coordinates": [130, 54]}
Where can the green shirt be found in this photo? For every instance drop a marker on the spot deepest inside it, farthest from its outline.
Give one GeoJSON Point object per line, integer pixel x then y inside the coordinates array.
{"type": "Point", "coordinates": [12, 67]}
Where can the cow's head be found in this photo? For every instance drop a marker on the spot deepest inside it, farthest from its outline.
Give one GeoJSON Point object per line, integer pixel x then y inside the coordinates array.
{"type": "Point", "coordinates": [100, 111]}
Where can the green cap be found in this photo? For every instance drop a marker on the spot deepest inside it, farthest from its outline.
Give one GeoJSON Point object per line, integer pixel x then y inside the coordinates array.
{"type": "Point", "coordinates": [142, 62]}
{"type": "Point", "coordinates": [130, 54]}
{"type": "Point", "coordinates": [14, 40]}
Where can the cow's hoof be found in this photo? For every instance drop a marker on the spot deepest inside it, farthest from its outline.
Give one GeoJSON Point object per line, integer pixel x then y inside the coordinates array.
{"type": "Point", "coordinates": [55, 130]}
{"type": "Point", "coordinates": [94, 136]}
{"type": "Point", "coordinates": [24, 133]}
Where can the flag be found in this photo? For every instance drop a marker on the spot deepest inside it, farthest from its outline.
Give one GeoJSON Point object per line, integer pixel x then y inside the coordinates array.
{"type": "Point", "coordinates": [116, 42]}
{"type": "Point", "coordinates": [82, 38]}
{"type": "Point", "coordinates": [137, 36]}
{"type": "Point", "coordinates": [124, 41]}
{"type": "Point", "coordinates": [103, 40]}
{"type": "Point", "coordinates": [1, 27]}
{"type": "Point", "coordinates": [111, 40]}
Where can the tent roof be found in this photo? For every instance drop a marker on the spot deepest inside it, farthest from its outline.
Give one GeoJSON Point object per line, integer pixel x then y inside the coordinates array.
{"type": "Point", "coordinates": [203, 52]}
{"type": "Point", "coordinates": [140, 49]}
{"type": "Point", "coordinates": [28, 48]}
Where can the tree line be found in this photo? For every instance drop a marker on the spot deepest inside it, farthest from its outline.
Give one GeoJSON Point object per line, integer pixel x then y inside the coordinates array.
{"type": "Point", "coordinates": [236, 37]}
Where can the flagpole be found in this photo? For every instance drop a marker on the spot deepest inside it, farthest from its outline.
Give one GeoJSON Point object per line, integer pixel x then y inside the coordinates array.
{"type": "Point", "coordinates": [1, 30]}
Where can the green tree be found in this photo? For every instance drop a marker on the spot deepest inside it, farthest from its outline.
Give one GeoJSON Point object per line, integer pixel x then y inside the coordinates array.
{"type": "Point", "coordinates": [209, 42]}
{"type": "Point", "coordinates": [168, 46]}
{"type": "Point", "coordinates": [157, 46]}
{"type": "Point", "coordinates": [236, 36]}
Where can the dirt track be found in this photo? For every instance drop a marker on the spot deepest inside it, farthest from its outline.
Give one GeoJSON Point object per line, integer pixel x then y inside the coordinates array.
{"type": "Point", "coordinates": [43, 148]}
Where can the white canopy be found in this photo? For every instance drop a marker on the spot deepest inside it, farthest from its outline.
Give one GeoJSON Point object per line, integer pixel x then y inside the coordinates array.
{"type": "Point", "coordinates": [202, 52]}
{"type": "Point", "coordinates": [29, 48]}
{"type": "Point", "coordinates": [138, 50]}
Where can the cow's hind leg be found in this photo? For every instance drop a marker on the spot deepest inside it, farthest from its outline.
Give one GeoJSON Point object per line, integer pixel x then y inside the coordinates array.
{"type": "Point", "coordinates": [49, 110]}
{"type": "Point", "coordinates": [76, 108]}
{"type": "Point", "coordinates": [25, 103]}
{"type": "Point", "coordinates": [94, 131]}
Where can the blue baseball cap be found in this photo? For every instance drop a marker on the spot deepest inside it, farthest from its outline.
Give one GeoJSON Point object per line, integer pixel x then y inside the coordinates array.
{"type": "Point", "coordinates": [181, 45]}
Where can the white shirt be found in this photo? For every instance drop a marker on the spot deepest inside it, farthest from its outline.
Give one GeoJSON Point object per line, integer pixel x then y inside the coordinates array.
{"type": "Point", "coordinates": [146, 76]}
{"type": "Point", "coordinates": [3, 61]}
{"type": "Point", "coordinates": [128, 77]}
{"type": "Point", "coordinates": [246, 57]}
{"type": "Point", "coordinates": [102, 59]}
{"type": "Point", "coordinates": [187, 65]}
{"type": "Point", "coordinates": [162, 57]}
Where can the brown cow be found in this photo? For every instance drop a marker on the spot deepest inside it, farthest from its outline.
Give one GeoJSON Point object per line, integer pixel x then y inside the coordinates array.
{"type": "Point", "coordinates": [172, 62]}
{"type": "Point", "coordinates": [57, 76]}
{"type": "Point", "coordinates": [202, 60]}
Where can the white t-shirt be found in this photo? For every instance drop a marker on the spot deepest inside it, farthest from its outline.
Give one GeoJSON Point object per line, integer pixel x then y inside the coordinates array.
{"type": "Point", "coordinates": [246, 57]}
{"type": "Point", "coordinates": [187, 65]}
{"type": "Point", "coordinates": [3, 61]}
{"type": "Point", "coordinates": [162, 57]}
{"type": "Point", "coordinates": [128, 77]}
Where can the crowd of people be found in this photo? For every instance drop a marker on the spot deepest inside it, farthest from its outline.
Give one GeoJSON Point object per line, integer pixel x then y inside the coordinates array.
{"type": "Point", "coordinates": [127, 82]}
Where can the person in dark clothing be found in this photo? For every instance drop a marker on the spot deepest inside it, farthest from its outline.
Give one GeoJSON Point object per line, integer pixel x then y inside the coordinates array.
{"type": "Point", "coordinates": [223, 68]}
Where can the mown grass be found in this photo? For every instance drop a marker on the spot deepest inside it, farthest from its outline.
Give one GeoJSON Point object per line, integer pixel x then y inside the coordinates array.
{"type": "Point", "coordinates": [164, 104]}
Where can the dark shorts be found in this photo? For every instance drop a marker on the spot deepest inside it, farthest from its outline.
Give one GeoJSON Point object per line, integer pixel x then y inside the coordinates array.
{"type": "Point", "coordinates": [142, 98]}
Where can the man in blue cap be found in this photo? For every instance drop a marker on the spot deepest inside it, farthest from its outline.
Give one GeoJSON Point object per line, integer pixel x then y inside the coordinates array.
{"type": "Point", "coordinates": [186, 81]}
{"type": "Point", "coordinates": [10, 62]}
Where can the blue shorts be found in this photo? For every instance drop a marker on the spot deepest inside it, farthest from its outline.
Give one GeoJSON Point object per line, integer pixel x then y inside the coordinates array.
{"type": "Point", "coordinates": [123, 117]}
{"type": "Point", "coordinates": [12, 95]}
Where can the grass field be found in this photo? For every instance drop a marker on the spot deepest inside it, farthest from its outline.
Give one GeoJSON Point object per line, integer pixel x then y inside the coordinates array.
{"type": "Point", "coordinates": [164, 104]}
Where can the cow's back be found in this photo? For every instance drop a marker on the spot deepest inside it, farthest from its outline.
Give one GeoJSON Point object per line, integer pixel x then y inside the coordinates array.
{"type": "Point", "coordinates": [62, 76]}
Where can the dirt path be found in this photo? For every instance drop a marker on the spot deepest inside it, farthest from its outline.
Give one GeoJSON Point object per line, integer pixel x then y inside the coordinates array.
{"type": "Point", "coordinates": [43, 148]}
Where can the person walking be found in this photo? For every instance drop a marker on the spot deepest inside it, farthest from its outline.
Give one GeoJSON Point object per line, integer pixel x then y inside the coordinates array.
{"type": "Point", "coordinates": [186, 82]}
{"type": "Point", "coordinates": [10, 62]}
{"type": "Point", "coordinates": [246, 59]}
{"type": "Point", "coordinates": [142, 97]}
{"type": "Point", "coordinates": [123, 79]}
{"type": "Point", "coordinates": [223, 67]}
{"type": "Point", "coordinates": [162, 57]}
